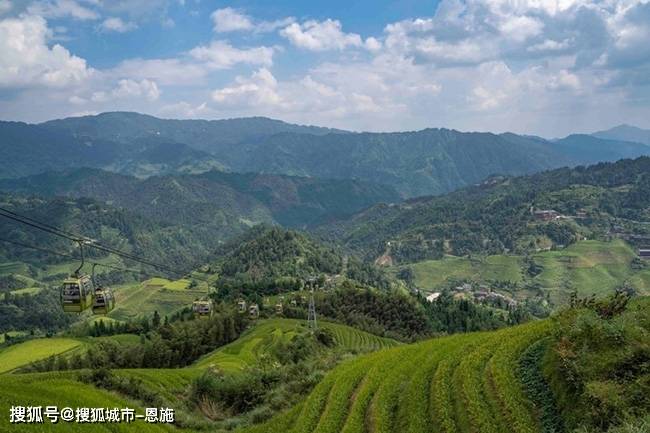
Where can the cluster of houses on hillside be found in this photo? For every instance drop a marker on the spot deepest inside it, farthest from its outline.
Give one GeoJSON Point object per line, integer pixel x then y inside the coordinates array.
{"type": "Point", "coordinates": [483, 294]}
{"type": "Point", "coordinates": [552, 215]}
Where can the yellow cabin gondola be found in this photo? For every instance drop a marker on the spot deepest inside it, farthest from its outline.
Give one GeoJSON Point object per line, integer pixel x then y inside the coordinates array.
{"type": "Point", "coordinates": [77, 294]}
{"type": "Point", "coordinates": [104, 301]}
{"type": "Point", "coordinates": [202, 309]}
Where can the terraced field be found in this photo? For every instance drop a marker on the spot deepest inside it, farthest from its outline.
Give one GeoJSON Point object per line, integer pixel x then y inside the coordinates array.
{"type": "Point", "coordinates": [60, 389]}
{"type": "Point", "coordinates": [458, 384]}
{"type": "Point", "coordinates": [169, 383]}
{"type": "Point", "coordinates": [21, 354]}
{"type": "Point", "coordinates": [592, 267]}
{"type": "Point", "coordinates": [432, 273]}
{"type": "Point", "coordinates": [156, 294]}
{"type": "Point", "coordinates": [263, 337]}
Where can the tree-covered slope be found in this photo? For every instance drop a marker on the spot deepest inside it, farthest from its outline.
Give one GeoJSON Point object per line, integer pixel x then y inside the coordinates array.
{"type": "Point", "coordinates": [212, 197]}
{"type": "Point", "coordinates": [178, 246]}
{"type": "Point", "coordinates": [495, 216]}
{"type": "Point", "coordinates": [431, 161]}
{"type": "Point", "coordinates": [271, 259]}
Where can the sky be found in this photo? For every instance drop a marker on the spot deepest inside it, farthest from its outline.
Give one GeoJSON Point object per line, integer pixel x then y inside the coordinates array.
{"type": "Point", "coordinates": [542, 67]}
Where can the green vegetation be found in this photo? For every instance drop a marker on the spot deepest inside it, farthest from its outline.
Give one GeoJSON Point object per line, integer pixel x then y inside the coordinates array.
{"type": "Point", "coordinates": [46, 389]}
{"type": "Point", "coordinates": [586, 369]}
{"type": "Point", "coordinates": [433, 274]}
{"type": "Point", "coordinates": [389, 390]}
{"type": "Point", "coordinates": [495, 217]}
{"type": "Point", "coordinates": [22, 354]}
{"type": "Point", "coordinates": [598, 367]}
{"type": "Point", "coordinates": [11, 334]}
{"type": "Point", "coordinates": [156, 294]}
{"type": "Point", "coordinates": [267, 260]}
{"type": "Point", "coordinates": [269, 335]}
{"type": "Point", "coordinates": [588, 267]}
{"type": "Point", "coordinates": [40, 312]}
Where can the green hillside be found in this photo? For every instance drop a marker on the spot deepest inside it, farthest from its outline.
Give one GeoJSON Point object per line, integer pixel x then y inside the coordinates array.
{"type": "Point", "coordinates": [498, 216]}
{"type": "Point", "coordinates": [518, 380]}
{"type": "Point", "coordinates": [262, 339]}
{"type": "Point", "coordinates": [212, 198]}
{"type": "Point", "coordinates": [156, 294]}
{"type": "Point", "coordinates": [46, 389]}
{"type": "Point", "coordinates": [590, 267]}
{"type": "Point", "coordinates": [447, 384]}
{"type": "Point", "coordinates": [16, 356]}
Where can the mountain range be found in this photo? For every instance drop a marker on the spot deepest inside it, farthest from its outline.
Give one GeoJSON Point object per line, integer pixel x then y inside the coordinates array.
{"type": "Point", "coordinates": [212, 198]}
{"type": "Point", "coordinates": [431, 161]}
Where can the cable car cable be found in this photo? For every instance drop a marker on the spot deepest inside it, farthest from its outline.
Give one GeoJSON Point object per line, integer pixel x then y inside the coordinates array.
{"type": "Point", "coordinates": [87, 241]}
{"type": "Point", "coordinates": [70, 256]}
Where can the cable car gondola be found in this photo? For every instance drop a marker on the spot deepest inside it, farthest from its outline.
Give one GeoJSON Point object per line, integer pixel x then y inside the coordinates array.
{"type": "Point", "coordinates": [77, 293]}
{"type": "Point", "coordinates": [77, 290]}
{"type": "Point", "coordinates": [202, 309]}
{"type": "Point", "coordinates": [104, 300]}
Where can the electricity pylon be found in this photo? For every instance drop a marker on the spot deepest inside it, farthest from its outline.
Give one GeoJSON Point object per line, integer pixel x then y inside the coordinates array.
{"type": "Point", "coordinates": [311, 316]}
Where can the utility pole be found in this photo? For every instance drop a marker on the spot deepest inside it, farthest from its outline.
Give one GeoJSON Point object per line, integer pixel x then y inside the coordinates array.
{"type": "Point", "coordinates": [311, 317]}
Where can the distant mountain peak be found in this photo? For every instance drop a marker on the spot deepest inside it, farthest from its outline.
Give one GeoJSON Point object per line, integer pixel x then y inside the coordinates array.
{"type": "Point", "coordinates": [625, 132]}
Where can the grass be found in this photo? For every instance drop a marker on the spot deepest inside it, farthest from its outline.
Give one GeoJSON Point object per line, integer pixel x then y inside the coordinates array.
{"type": "Point", "coordinates": [156, 294]}
{"type": "Point", "coordinates": [60, 389]}
{"type": "Point", "coordinates": [27, 291]}
{"type": "Point", "coordinates": [591, 267]}
{"type": "Point", "coordinates": [13, 268]}
{"type": "Point", "coordinates": [22, 354]}
{"type": "Point", "coordinates": [433, 273]}
{"type": "Point", "coordinates": [464, 383]}
{"type": "Point", "coordinates": [263, 337]}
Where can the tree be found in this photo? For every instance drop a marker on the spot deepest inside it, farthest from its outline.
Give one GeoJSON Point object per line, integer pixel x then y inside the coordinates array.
{"type": "Point", "coordinates": [156, 319]}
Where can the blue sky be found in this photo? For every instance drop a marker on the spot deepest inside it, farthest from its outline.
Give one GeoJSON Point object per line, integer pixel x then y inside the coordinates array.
{"type": "Point", "coordinates": [545, 67]}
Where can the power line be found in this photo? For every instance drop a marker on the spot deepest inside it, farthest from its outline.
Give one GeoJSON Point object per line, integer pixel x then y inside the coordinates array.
{"type": "Point", "coordinates": [85, 241]}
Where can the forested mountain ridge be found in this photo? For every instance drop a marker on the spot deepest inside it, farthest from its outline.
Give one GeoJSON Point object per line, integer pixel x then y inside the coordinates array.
{"type": "Point", "coordinates": [431, 161]}
{"type": "Point", "coordinates": [213, 196]}
{"type": "Point", "coordinates": [497, 216]}
{"type": "Point", "coordinates": [181, 247]}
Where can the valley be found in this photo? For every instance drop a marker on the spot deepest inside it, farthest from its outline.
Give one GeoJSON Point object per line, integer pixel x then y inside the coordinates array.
{"type": "Point", "coordinates": [462, 283]}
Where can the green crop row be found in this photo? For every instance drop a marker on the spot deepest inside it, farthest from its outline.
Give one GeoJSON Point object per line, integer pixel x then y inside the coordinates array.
{"type": "Point", "coordinates": [457, 384]}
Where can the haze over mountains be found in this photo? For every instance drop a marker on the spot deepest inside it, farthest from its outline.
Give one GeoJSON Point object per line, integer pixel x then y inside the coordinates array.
{"type": "Point", "coordinates": [431, 161]}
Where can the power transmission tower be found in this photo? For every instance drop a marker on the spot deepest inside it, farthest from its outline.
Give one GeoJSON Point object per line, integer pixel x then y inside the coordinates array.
{"type": "Point", "coordinates": [311, 316]}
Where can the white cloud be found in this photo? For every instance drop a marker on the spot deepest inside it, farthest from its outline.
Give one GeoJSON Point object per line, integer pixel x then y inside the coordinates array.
{"type": "Point", "coordinates": [260, 89]}
{"type": "Point", "coordinates": [27, 60]}
{"type": "Point", "coordinates": [233, 20]}
{"type": "Point", "coordinates": [230, 20]}
{"type": "Point", "coordinates": [325, 35]}
{"type": "Point", "coordinates": [171, 72]}
{"type": "Point", "coordinates": [116, 24]}
{"type": "Point", "coordinates": [62, 8]}
{"type": "Point", "coordinates": [128, 88]}
{"type": "Point", "coordinates": [222, 55]}
{"type": "Point", "coordinates": [186, 110]}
